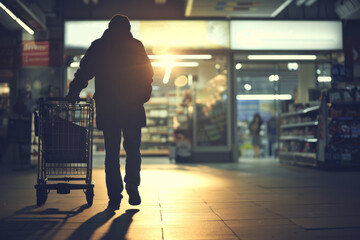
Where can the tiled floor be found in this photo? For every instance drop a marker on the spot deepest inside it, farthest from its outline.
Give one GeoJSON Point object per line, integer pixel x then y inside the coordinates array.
{"type": "Point", "coordinates": [248, 200]}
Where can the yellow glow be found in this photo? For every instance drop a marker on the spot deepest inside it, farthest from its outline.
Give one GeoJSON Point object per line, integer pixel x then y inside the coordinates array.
{"type": "Point", "coordinates": [188, 9]}
{"type": "Point", "coordinates": [264, 97]}
{"type": "Point", "coordinates": [186, 57]}
{"type": "Point", "coordinates": [282, 57]}
{"type": "Point", "coordinates": [174, 64]}
{"type": "Point", "coordinates": [181, 81]}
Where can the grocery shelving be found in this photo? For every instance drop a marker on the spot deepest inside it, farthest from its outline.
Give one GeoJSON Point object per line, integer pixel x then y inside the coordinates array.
{"type": "Point", "coordinates": [299, 136]}
{"type": "Point", "coordinates": [325, 135]}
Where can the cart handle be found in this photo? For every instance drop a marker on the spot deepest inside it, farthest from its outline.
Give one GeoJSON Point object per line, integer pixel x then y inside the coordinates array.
{"type": "Point", "coordinates": [64, 99]}
{"type": "Point", "coordinates": [36, 123]}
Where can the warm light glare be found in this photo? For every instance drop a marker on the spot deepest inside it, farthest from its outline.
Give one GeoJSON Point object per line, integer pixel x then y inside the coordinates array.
{"type": "Point", "coordinates": [190, 79]}
{"type": "Point", "coordinates": [174, 64]}
{"type": "Point", "coordinates": [167, 75]}
{"type": "Point", "coordinates": [181, 81]}
{"type": "Point", "coordinates": [264, 97]}
{"type": "Point", "coordinates": [183, 57]}
{"type": "Point", "coordinates": [13, 16]}
{"type": "Point", "coordinates": [324, 79]}
{"type": "Point", "coordinates": [282, 57]}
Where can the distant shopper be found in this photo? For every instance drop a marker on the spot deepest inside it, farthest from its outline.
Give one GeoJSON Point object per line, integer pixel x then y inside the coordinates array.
{"type": "Point", "coordinates": [271, 135]}
{"type": "Point", "coordinates": [123, 76]}
{"type": "Point", "coordinates": [255, 126]}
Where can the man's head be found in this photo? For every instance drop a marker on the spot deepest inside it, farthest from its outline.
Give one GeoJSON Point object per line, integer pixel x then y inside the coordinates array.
{"type": "Point", "coordinates": [120, 23]}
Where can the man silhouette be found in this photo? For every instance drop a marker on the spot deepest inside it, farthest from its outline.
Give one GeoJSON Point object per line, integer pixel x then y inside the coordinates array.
{"type": "Point", "coordinates": [123, 76]}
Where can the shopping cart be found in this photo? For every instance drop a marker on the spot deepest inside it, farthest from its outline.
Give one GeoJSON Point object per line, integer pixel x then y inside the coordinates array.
{"type": "Point", "coordinates": [65, 147]}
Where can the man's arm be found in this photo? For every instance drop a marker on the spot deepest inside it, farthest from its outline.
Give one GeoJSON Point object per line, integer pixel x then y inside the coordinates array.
{"type": "Point", "coordinates": [148, 75]}
{"type": "Point", "coordinates": [84, 73]}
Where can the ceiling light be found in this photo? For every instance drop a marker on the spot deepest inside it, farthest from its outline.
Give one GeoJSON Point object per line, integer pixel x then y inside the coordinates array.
{"type": "Point", "coordinates": [264, 97]}
{"type": "Point", "coordinates": [274, 78]}
{"type": "Point", "coordinates": [188, 9]}
{"type": "Point", "coordinates": [282, 57]}
{"type": "Point", "coordinates": [238, 66]}
{"type": "Point", "coordinates": [300, 2]}
{"type": "Point", "coordinates": [13, 16]}
{"type": "Point", "coordinates": [194, 56]}
{"type": "Point", "coordinates": [247, 87]}
{"type": "Point", "coordinates": [167, 75]}
{"type": "Point", "coordinates": [310, 2]}
{"type": "Point", "coordinates": [293, 66]}
{"type": "Point", "coordinates": [175, 64]}
{"type": "Point", "coordinates": [324, 79]}
{"type": "Point", "coordinates": [280, 8]}
{"type": "Point", "coordinates": [181, 81]}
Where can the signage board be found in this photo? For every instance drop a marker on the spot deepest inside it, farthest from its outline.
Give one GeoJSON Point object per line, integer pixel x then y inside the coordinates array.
{"type": "Point", "coordinates": [285, 35]}
{"type": "Point", "coordinates": [35, 53]}
{"type": "Point", "coordinates": [156, 35]}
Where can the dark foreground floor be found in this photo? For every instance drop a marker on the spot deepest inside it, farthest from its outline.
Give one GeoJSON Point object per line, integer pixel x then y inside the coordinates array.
{"type": "Point", "coordinates": [250, 200]}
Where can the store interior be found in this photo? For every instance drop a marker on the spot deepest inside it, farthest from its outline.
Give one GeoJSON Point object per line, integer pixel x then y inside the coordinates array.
{"type": "Point", "coordinates": [188, 90]}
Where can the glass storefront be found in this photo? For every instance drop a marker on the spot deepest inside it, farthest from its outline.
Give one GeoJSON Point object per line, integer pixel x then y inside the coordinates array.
{"type": "Point", "coordinates": [190, 101]}
{"type": "Point", "coordinates": [269, 87]}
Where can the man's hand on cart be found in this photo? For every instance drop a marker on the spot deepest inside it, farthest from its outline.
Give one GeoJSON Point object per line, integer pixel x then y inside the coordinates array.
{"type": "Point", "coordinates": [71, 99]}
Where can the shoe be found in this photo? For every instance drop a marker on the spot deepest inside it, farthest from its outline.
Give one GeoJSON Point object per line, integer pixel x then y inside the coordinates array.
{"type": "Point", "coordinates": [134, 196]}
{"type": "Point", "coordinates": [114, 204]}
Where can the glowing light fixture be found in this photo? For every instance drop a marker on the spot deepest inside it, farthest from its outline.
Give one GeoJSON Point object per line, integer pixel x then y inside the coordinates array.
{"type": "Point", "coordinates": [264, 97]}
{"type": "Point", "coordinates": [293, 66]}
{"type": "Point", "coordinates": [75, 64]}
{"type": "Point", "coordinates": [190, 79]}
{"type": "Point", "coordinates": [280, 8]}
{"type": "Point", "coordinates": [184, 57]}
{"type": "Point", "coordinates": [238, 66]}
{"type": "Point", "coordinates": [181, 81]}
{"type": "Point", "coordinates": [189, 6]}
{"type": "Point", "coordinates": [175, 64]}
{"type": "Point", "coordinates": [324, 79]}
{"type": "Point", "coordinates": [282, 57]}
{"type": "Point", "coordinates": [13, 16]}
{"type": "Point", "coordinates": [247, 87]}
{"type": "Point", "coordinates": [274, 78]}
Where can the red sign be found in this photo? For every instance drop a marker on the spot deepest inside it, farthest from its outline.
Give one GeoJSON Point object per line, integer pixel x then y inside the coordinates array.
{"type": "Point", "coordinates": [35, 54]}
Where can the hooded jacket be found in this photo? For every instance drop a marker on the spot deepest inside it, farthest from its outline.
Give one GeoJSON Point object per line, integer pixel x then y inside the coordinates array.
{"type": "Point", "coordinates": [123, 76]}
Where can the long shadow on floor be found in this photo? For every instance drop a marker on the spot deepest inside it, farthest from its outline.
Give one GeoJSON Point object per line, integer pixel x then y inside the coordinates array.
{"type": "Point", "coordinates": [86, 229]}
{"type": "Point", "coordinates": [118, 229]}
{"type": "Point", "coordinates": [120, 225]}
{"type": "Point", "coordinates": [28, 223]}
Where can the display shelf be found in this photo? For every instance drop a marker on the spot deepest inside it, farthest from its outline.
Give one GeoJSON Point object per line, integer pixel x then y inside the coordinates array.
{"type": "Point", "coordinates": [345, 103]}
{"type": "Point", "coordinates": [299, 154]}
{"type": "Point", "coordinates": [304, 124]}
{"type": "Point", "coordinates": [302, 112]}
{"type": "Point", "coordinates": [336, 128]}
{"type": "Point", "coordinates": [298, 158]}
{"type": "Point", "coordinates": [299, 138]}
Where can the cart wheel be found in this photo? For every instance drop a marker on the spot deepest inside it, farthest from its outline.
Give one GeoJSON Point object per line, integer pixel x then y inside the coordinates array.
{"type": "Point", "coordinates": [41, 196]}
{"type": "Point", "coordinates": [89, 196]}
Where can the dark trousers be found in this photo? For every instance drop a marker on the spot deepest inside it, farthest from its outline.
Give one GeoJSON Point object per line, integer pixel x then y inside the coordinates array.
{"type": "Point", "coordinates": [132, 141]}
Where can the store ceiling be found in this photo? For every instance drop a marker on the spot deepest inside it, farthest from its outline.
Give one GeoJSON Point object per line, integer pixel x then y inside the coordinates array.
{"type": "Point", "coordinates": [235, 8]}
{"type": "Point", "coordinates": [38, 13]}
